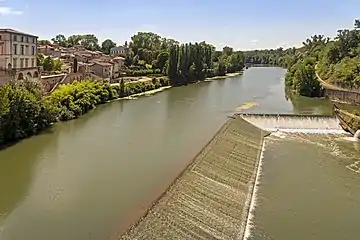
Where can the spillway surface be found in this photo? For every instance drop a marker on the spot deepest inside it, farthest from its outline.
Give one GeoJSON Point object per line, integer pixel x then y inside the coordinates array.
{"type": "Point", "coordinates": [210, 199]}
{"type": "Point", "coordinates": [295, 123]}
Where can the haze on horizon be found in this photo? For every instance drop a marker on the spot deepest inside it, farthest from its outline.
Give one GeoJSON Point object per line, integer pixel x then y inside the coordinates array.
{"type": "Point", "coordinates": [243, 25]}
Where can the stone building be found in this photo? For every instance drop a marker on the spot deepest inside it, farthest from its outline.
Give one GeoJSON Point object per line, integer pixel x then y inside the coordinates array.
{"type": "Point", "coordinates": [119, 51]}
{"type": "Point", "coordinates": [17, 55]}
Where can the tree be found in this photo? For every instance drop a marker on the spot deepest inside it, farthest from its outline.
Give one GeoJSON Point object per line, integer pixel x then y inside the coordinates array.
{"type": "Point", "coordinates": [90, 42]}
{"type": "Point", "coordinates": [43, 42]}
{"type": "Point", "coordinates": [60, 39]}
{"type": "Point", "coordinates": [227, 50]}
{"type": "Point", "coordinates": [107, 45]}
{"type": "Point", "coordinates": [161, 60]}
{"type": "Point", "coordinates": [74, 40]}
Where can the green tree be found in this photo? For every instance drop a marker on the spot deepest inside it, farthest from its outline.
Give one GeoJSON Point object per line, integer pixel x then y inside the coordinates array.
{"type": "Point", "coordinates": [90, 42]}
{"type": "Point", "coordinates": [107, 45]}
{"type": "Point", "coordinates": [60, 39]}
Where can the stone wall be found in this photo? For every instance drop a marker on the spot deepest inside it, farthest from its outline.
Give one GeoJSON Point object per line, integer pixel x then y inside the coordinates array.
{"type": "Point", "coordinates": [49, 82]}
{"type": "Point", "coordinates": [343, 96]}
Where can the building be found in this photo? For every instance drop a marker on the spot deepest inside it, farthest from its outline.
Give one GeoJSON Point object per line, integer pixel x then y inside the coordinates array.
{"type": "Point", "coordinates": [119, 51]}
{"type": "Point", "coordinates": [18, 55]}
{"type": "Point", "coordinates": [102, 69]}
{"type": "Point", "coordinates": [49, 50]}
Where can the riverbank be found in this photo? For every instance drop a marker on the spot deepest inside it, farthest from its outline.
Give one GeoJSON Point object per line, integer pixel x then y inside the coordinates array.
{"type": "Point", "coordinates": [26, 110]}
{"type": "Point", "coordinates": [228, 75]}
{"type": "Point", "coordinates": [211, 197]}
{"type": "Point", "coordinates": [73, 100]}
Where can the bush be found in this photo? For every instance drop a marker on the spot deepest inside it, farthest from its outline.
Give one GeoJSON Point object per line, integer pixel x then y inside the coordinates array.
{"type": "Point", "coordinates": [24, 111]}
{"type": "Point", "coordinates": [131, 88]}
{"type": "Point", "coordinates": [77, 98]}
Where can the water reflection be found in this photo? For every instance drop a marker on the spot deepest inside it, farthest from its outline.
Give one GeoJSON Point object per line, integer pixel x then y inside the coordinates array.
{"type": "Point", "coordinates": [306, 105]}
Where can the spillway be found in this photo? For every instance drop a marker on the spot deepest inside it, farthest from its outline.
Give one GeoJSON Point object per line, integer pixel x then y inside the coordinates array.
{"type": "Point", "coordinates": [295, 123]}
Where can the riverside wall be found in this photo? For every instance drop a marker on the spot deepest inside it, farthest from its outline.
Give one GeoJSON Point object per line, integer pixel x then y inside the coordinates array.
{"type": "Point", "coordinates": [211, 198]}
{"type": "Point", "coordinates": [342, 96]}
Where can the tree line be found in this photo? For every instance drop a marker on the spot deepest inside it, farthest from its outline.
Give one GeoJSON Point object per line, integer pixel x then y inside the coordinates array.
{"type": "Point", "coordinates": [26, 110]}
{"type": "Point", "coordinates": [336, 60]}
{"type": "Point", "coordinates": [149, 54]}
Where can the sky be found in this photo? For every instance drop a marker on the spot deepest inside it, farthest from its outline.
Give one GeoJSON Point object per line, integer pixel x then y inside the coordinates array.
{"type": "Point", "coordinates": [243, 25]}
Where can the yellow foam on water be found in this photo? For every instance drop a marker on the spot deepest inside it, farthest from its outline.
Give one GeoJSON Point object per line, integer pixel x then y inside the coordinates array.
{"type": "Point", "coordinates": [247, 105]}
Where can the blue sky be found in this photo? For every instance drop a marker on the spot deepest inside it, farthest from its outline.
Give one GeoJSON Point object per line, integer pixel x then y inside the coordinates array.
{"type": "Point", "coordinates": [240, 24]}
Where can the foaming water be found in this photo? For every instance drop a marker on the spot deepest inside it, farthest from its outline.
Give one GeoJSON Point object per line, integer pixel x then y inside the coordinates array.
{"type": "Point", "coordinates": [300, 172]}
{"type": "Point", "coordinates": [249, 222]}
{"type": "Point", "coordinates": [288, 123]}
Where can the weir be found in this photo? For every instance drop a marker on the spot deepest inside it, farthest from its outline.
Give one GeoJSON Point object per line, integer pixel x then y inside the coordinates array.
{"type": "Point", "coordinates": [295, 123]}
{"type": "Point", "coordinates": [215, 196]}
{"type": "Point", "coordinates": [211, 198]}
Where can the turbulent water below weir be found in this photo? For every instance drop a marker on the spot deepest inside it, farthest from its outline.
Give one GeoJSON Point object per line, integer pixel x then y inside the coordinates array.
{"type": "Point", "coordinates": [309, 188]}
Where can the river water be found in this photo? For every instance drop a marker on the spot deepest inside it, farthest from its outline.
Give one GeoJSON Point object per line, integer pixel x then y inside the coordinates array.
{"type": "Point", "coordinates": [92, 177]}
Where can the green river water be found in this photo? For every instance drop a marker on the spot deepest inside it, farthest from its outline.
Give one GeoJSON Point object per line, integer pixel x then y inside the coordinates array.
{"type": "Point", "coordinates": [91, 178]}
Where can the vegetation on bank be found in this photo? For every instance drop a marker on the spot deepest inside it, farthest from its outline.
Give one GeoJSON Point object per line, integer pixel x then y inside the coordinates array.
{"type": "Point", "coordinates": [336, 61]}
{"type": "Point", "coordinates": [73, 100]}
{"type": "Point", "coordinates": [151, 54]}
{"type": "Point", "coordinates": [50, 65]}
{"type": "Point", "coordinates": [25, 110]}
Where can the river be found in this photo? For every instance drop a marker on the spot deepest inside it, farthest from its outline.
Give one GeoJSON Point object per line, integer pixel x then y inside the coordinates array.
{"type": "Point", "coordinates": [92, 177]}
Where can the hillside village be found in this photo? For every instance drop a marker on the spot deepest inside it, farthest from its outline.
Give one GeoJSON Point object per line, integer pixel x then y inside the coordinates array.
{"type": "Point", "coordinates": [20, 55]}
{"type": "Point", "coordinates": [96, 62]}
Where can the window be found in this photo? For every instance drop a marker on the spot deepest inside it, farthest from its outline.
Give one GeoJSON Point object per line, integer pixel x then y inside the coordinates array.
{"type": "Point", "coordinates": [22, 49]}
{"type": "Point", "coordinates": [21, 63]}
{"type": "Point", "coordinates": [22, 38]}
{"type": "Point", "coordinates": [32, 62]}
{"type": "Point", "coordinates": [15, 38]}
{"type": "Point", "coordinates": [26, 62]}
{"type": "Point", "coordinates": [15, 49]}
{"type": "Point", "coordinates": [27, 39]}
{"type": "Point", "coordinates": [33, 50]}
{"type": "Point", "coordinates": [0, 37]}
{"type": "Point", "coordinates": [34, 40]}
{"type": "Point", "coordinates": [14, 62]}
{"type": "Point", "coordinates": [27, 50]}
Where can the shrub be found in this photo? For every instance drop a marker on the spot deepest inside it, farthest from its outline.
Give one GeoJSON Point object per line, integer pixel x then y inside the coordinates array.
{"type": "Point", "coordinates": [24, 111]}
{"type": "Point", "coordinates": [78, 98]}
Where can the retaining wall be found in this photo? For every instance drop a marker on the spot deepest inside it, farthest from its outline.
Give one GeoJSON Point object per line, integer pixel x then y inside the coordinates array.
{"type": "Point", "coordinates": [343, 96]}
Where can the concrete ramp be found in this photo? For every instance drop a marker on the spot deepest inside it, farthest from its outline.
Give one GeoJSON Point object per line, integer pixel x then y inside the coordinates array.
{"type": "Point", "coordinates": [211, 199]}
{"type": "Point", "coordinates": [295, 123]}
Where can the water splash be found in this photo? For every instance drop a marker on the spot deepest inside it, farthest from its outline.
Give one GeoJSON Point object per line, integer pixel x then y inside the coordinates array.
{"type": "Point", "coordinates": [250, 222]}
{"type": "Point", "coordinates": [295, 123]}
{"type": "Point", "coordinates": [357, 135]}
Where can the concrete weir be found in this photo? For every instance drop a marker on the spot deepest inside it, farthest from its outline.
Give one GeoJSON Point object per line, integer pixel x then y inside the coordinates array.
{"type": "Point", "coordinates": [211, 198]}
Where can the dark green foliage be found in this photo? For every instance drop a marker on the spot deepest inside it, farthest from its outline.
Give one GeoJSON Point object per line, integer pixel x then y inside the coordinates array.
{"type": "Point", "coordinates": [194, 62]}
{"type": "Point", "coordinates": [24, 111]}
{"type": "Point", "coordinates": [302, 79]}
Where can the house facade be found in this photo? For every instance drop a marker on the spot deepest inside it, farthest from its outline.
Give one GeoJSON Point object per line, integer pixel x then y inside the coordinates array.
{"type": "Point", "coordinates": [119, 51]}
{"type": "Point", "coordinates": [102, 69]}
{"type": "Point", "coordinates": [18, 55]}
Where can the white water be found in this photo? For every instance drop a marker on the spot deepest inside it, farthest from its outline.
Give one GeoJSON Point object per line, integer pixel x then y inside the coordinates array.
{"type": "Point", "coordinates": [249, 222]}
{"type": "Point", "coordinates": [357, 135]}
{"type": "Point", "coordinates": [291, 124]}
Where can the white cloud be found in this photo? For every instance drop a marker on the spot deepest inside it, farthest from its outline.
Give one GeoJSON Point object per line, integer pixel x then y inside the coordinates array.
{"type": "Point", "coordinates": [9, 11]}
{"type": "Point", "coordinates": [254, 41]}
